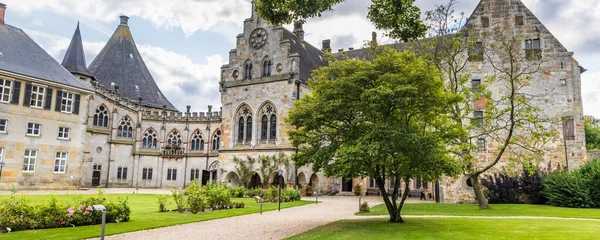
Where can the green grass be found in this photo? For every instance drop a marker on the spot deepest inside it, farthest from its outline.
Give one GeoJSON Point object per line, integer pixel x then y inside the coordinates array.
{"type": "Point", "coordinates": [497, 210]}
{"type": "Point", "coordinates": [459, 228]}
{"type": "Point", "coordinates": [144, 215]}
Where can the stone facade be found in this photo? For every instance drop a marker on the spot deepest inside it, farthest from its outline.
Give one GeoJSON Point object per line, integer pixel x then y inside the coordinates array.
{"type": "Point", "coordinates": [266, 73]}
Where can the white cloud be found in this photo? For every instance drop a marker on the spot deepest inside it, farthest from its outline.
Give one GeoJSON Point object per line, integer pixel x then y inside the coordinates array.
{"type": "Point", "coordinates": [189, 15]}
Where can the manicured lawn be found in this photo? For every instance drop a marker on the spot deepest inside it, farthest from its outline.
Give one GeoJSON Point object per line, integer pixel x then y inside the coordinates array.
{"type": "Point", "coordinates": [497, 210]}
{"type": "Point", "coordinates": [459, 228]}
{"type": "Point", "coordinates": [144, 215]}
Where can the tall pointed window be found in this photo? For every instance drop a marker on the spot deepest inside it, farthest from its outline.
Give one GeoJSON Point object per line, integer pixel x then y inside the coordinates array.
{"type": "Point", "coordinates": [101, 117]}
{"type": "Point", "coordinates": [267, 64]}
{"type": "Point", "coordinates": [268, 126]}
{"type": "Point", "coordinates": [244, 122]}
{"type": "Point", "coordinates": [125, 128]}
{"type": "Point", "coordinates": [197, 141]}
{"type": "Point", "coordinates": [174, 139]}
{"type": "Point", "coordinates": [150, 139]}
{"type": "Point", "coordinates": [248, 69]}
{"type": "Point", "coordinates": [216, 144]}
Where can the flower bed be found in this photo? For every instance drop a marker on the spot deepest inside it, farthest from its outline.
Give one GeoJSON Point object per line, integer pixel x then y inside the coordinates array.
{"type": "Point", "coordinates": [17, 213]}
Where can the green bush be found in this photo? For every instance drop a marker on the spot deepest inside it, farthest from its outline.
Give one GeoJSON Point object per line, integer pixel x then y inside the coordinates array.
{"type": "Point", "coordinates": [218, 196]}
{"type": "Point", "coordinates": [163, 200]}
{"type": "Point", "coordinates": [309, 191]}
{"type": "Point", "coordinates": [179, 199]}
{"type": "Point", "coordinates": [17, 213]}
{"type": "Point", "coordinates": [567, 189]}
{"type": "Point", "coordinates": [590, 172]}
{"type": "Point", "coordinates": [251, 192]}
{"type": "Point", "coordinates": [195, 197]}
{"type": "Point", "coordinates": [240, 205]}
{"type": "Point", "coordinates": [357, 190]}
{"type": "Point", "coordinates": [237, 192]}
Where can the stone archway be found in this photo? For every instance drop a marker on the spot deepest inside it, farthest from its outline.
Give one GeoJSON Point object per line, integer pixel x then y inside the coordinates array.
{"type": "Point", "coordinates": [232, 179]}
{"type": "Point", "coordinates": [314, 182]}
{"type": "Point", "coordinates": [255, 181]}
{"type": "Point", "coordinates": [275, 179]}
{"type": "Point", "coordinates": [302, 183]}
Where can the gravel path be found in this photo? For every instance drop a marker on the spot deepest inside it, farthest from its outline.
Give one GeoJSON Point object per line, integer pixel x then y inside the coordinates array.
{"type": "Point", "coordinates": [269, 225]}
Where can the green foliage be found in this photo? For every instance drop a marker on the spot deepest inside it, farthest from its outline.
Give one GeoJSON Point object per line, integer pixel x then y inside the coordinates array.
{"type": "Point", "coordinates": [400, 18]}
{"type": "Point", "coordinates": [357, 190]}
{"type": "Point", "coordinates": [238, 191]}
{"type": "Point", "coordinates": [385, 118]}
{"type": "Point", "coordinates": [525, 187]}
{"type": "Point", "coordinates": [567, 189]}
{"type": "Point", "coordinates": [179, 199]}
{"type": "Point", "coordinates": [196, 198]}
{"type": "Point", "coordinates": [364, 207]}
{"type": "Point", "coordinates": [163, 200]}
{"type": "Point", "coordinates": [592, 133]}
{"type": "Point", "coordinates": [244, 169]}
{"type": "Point", "coordinates": [18, 213]}
{"type": "Point", "coordinates": [218, 196]}
{"type": "Point", "coordinates": [252, 192]}
{"type": "Point", "coordinates": [590, 173]}
{"type": "Point", "coordinates": [309, 191]}
{"type": "Point", "coordinates": [287, 194]}
{"type": "Point", "coordinates": [240, 205]}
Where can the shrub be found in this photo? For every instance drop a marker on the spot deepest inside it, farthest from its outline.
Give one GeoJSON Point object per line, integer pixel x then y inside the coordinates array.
{"type": "Point", "coordinates": [251, 192]}
{"type": "Point", "coordinates": [17, 213]}
{"type": "Point", "coordinates": [309, 191]}
{"type": "Point", "coordinates": [218, 196]}
{"type": "Point", "coordinates": [364, 207]}
{"type": "Point", "coordinates": [590, 172]}
{"type": "Point", "coordinates": [521, 188]}
{"type": "Point", "coordinates": [358, 190]}
{"type": "Point", "coordinates": [179, 199]}
{"type": "Point", "coordinates": [237, 192]}
{"type": "Point", "coordinates": [240, 205]}
{"type": "Point", "coordinates": [195, 197]}
{"type": "Point", "coordinates": [567, 189]}
{"type": "Point", "coordinates": [163, 200]}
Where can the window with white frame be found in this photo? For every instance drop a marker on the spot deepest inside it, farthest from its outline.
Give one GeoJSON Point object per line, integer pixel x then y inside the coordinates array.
{"type": "Point", "coordinates": [64, 132]}
{"type": "Point", "coordinates": [29, 160]}
{"type": "Point", "coordinates": [5, 88]}
{"type": "Point", "coordinates": [66, 104]}
{"type": "Point", "coordinates": [37, 96]}
{"type": "Point", "coordinates": [60, 162]}
{"type": "Point", "coordinates": [3, 124]}
{"type": "Point", "coordinates": [33, 129]}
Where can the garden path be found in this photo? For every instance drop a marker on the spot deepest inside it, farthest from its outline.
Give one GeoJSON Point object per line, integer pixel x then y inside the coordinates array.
{"type": "Point", "coordinates": [269, 225]}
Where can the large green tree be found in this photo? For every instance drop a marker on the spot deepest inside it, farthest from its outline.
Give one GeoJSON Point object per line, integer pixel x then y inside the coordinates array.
{"type": "Point", "coordinates": [385, 119]}
{"type": "Point", "coordinates": [592, 132]}
{"type": "Point", "coordinates": [401, 19]}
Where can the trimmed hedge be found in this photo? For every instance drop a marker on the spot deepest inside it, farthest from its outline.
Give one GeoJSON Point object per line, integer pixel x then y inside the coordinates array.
{"type": "Point", "coordinates": [576, 189]}
{"type": "Point", "coordinates": [521, 188]}
{"type": "Point", "coordinates": [18, 213]}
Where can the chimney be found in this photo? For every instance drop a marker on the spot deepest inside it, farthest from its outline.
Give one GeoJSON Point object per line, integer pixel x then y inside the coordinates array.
{"type": "Point", "coordinates": [2, 12]}
{"type": "Point", "coordinates": [374, 37]}
{"type": "Point", "coordinates": [298, 31]}
{"type": "Point", "coordinates": [209, 108]}
{"type": "Point", "coordinates": [326, 45]}
{"type": "Point", "coordinates": [124, 19]}
{"type": "Point", "coordinates": [188, 108]}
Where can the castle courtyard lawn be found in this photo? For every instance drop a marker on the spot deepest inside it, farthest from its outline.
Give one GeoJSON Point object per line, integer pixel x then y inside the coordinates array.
{"type": "Point", "coordinates": [497, 210]}
{"type": "Point", "coordinates": [144, 215]}
{"type": "Point", "coordinates": [456, 228]}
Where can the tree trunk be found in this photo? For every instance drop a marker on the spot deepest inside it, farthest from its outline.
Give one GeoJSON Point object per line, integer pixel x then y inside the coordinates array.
{"type": "Point", "coordinates": [478, 189]}
{"type": "Point", "coordinates": [391, 207]}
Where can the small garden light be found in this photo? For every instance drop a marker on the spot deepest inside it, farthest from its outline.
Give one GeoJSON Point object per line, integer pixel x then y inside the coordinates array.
{"type": "Point", "coordinates": [103, 210]}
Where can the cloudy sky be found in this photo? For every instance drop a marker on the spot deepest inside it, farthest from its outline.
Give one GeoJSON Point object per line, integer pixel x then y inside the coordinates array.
{"type": "Point", "coordinates": [185, 42]}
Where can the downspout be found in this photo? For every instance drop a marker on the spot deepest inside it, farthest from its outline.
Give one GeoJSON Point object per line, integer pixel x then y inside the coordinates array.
{"type": "Point", "coordinates": [295, 166]}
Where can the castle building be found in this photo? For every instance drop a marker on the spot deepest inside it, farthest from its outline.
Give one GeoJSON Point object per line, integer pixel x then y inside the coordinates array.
{"type": "Point", "coordinates": [108, 124]}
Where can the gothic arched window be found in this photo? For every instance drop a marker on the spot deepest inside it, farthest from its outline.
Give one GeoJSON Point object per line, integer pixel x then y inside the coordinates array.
{"type": "Point", "coordinates": [197, 141]}
{"type": "Point", "coordinates": [216, 144]}
{"type": "Point", "coordinates": [125, 129]}
{"type": "Point", "coordinates": [150, 140]}
{"type": "Point", "coordinates": [248, 69]}
{"type": "Point", "coordinates": [268, 129]}
{"type": "Point", "coordinates": [244, 129]}
{"type": "Point", "coordinates": [267, 64]}
{"type": "Point", "coordinates": [101, 117]}
{"type": "Point", "coordinates": [174, 139]}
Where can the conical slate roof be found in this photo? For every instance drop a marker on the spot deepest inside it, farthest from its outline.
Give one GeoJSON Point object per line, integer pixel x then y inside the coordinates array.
{"type": "Point", "coordinates": [120, 62]}
{"type": "Point", "coordinates": [74, 60]}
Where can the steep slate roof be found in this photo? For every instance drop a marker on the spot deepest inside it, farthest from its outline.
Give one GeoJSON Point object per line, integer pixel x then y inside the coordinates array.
{"type": "Point", "coordinates": [21, 55]}
{"type": "Point", "coordinates": [311, 58]}
{"type": "Point", "coordinates": [120, 62]}
{"type": "Point", "coordinates": [74, 59]}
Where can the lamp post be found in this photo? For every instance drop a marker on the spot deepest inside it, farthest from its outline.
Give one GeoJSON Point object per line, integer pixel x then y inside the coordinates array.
{"type": "Point", "coordinates": [279, 172]}
{"type": "Point", "coordinates": [103, 210]}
